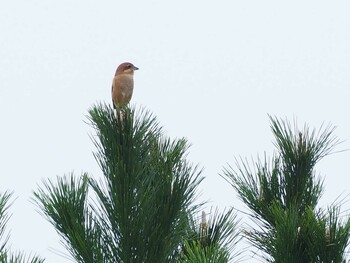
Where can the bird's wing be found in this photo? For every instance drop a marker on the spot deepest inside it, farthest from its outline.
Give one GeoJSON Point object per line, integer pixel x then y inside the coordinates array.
{"type": "Point", "coordinates": [122, 89]}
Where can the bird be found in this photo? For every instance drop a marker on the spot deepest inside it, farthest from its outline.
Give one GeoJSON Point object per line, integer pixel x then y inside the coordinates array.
{"type": "Point", "coordinates": [123, 84]}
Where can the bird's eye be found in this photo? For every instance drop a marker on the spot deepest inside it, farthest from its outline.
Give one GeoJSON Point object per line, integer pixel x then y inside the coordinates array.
{"type": "Point", "coordinates": [129, 66]}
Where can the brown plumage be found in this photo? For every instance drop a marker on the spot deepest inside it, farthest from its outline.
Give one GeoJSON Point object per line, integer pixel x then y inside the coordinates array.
{"type": "Point", "coordinates": [123, 84]}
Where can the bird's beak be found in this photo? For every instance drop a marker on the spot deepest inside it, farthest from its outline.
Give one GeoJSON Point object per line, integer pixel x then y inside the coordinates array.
{"type": "Point", "coordinates": [135, 68]}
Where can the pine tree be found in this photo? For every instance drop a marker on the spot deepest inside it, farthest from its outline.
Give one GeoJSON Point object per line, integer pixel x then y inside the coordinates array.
{"type": "Point", "coordinates": [140, 211]}
{"type": "Point", "coordinates": [213, 240]}
{"type": "Point", "coordinates": [282, 195]}
{"type": "Point", "coordinates": [7, 256]}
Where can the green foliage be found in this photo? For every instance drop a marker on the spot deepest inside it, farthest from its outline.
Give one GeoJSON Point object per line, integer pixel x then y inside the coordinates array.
{"type": "Point", "coordinates": [18, 258]}
{"type": "Point", "coordinates": [139, 211]}
{"type": "Point", "coordinates": [212, 241]}
{"type": "Point", "coordinates": [5, 255]}
{"type": "Point", "coordinates": [4, 217]}
{"type": "Point", "coordinates": [196, 253]}
{"type": "Point", "coordinates": [64, 203]}
{"type": "Point", "coordinates": [282, 197]}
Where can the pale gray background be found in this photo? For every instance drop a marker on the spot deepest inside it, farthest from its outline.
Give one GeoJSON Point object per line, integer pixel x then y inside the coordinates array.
{"type": "Point", "coordinates": [210, 71]}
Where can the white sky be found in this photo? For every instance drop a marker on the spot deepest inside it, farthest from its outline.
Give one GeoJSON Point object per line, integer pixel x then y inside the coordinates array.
{"type": "Point", "coordinates": [209, 72]}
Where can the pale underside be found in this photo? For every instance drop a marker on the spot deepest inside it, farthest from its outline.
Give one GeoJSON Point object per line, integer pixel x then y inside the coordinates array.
{"type": "Point", "coordinates": [122, 89]}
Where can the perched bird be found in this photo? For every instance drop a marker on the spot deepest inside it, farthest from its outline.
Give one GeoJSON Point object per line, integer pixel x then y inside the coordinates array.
{"type": "Point", "coordinates": [123, 84]}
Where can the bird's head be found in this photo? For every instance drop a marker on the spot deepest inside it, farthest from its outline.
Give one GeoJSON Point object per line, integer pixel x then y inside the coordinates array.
{"type": "Point", "coordinates": [126, 68]}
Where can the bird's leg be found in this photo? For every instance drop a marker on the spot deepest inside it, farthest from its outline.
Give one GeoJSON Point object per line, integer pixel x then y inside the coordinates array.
{"type": "Point", "coordinates": [120, 115]}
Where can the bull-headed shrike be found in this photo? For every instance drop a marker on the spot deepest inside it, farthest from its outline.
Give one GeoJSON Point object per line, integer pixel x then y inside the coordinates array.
{"type": "Point", "coordinates": [123, 84]}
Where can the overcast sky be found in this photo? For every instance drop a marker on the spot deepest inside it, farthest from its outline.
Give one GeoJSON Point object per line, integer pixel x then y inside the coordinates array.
{"type": "Point", "coordinates": [210, 72]}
